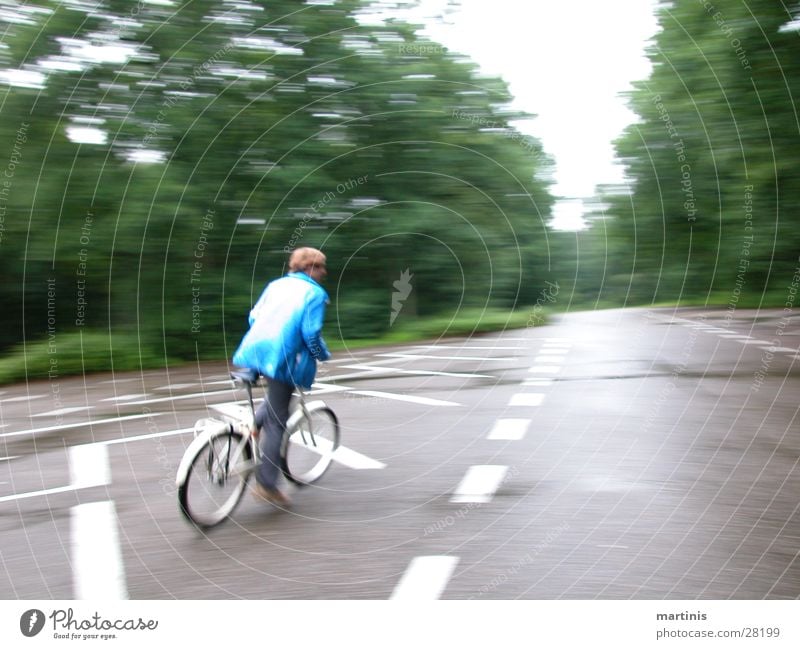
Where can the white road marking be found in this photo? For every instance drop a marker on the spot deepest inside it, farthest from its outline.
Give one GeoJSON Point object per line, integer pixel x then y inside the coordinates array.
{"type": "Point", "coordinates": [343, 455]}
{"type": "Point", "coordinates": [735, 336]}
{"type": "Point", "coordinates": [509, 429]}
{"type": "Point", "coordinates": [61, 411]}
{"type": "Point", "coordinates": [10, 457]}
{"type": "Point", "coordinates": [537, 382]}
{"type": "Point", "coordinates": [121, 380]}
{"type": "Point", "coordinates": [355, 460]}
{"type": "Point", "coordinates": [139, 438]}
{"type": "Point", "coordinates": [88, 424]}
{"type": "Point", "coordinates": [97, 566]}
{"type": "Point", "coordinates": [451, 347]}
{"type": "Point", "coordinates": [30, 397]}
{"type": "Point", "coordinates": [89, 466]}
{"type": "Point", "coordinates": [545, 369]}
{"type": "Point", "coordinates": [404, 397]}
{"type": "Point", "coordinates": [194, 395]}
{"type": "Point", "coordinates": [779, 349]}
{"type": "Point", "coordinates": [220, 382]}
{"type": "Point", "coordinates": [126, 397]}
{"type": "Point", "coordinates": [449, 358]}
{"type": "Point", "coordinates": [176, 386]}
{"type": "Point", "coordinates": [558, 340]}
{"type": "Point", "coordinates": [33, 494]}
{"type": "Point", "coordinates": [324, 388]}
{"type": "Point", "coordinates": [549, 358]}
{"type": "Point", "coordinates": [369, 369]}
{"type": "Point", "coordinates": [755, 342]}
{"type": "Point", "coordinates": [425, 578]}
{"type": "Point", "coordinates": [526, 399]}
{"type": "Point", "coordinates": [479, 484]}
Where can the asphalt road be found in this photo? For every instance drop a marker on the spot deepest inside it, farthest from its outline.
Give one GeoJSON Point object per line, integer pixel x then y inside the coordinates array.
{"type": "Point", "coordinates": [640, 454]}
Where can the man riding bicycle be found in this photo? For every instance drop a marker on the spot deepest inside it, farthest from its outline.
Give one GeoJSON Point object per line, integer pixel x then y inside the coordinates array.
{"type": "Point", "coordinates": [284, 343]}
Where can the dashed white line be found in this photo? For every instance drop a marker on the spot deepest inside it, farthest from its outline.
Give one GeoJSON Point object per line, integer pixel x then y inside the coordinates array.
{"type": "Point", "coordinates": [779, 349]}
{"type": "Point", "coordinates": [526, 399]}
{"type": "Point", "coordinates": [127, 397]}
{"type": "Point", "coordinates": [509, 429]}
{"type": "Point", "coordinates": [177, 386]}
{"type": "Point", "coordinates": [479, 484]}
{"type": "Point", "coordinates": [404, 397]}
{"type": "Point", "coordinates": [373, 369]}
{"type": "Point", "coordinates": [425, 579]}
{"type": "Point", "coordinates": [138, 438]}
{"type": "Point", "coordinates": [449, 358]}
{"type": "Point", "coordinates": [97, 566]}
{"type": "Point", "coordinates": [180, 397]}
{"type": "Point", "coordinates": [30, 397]}
{"type": "Point", "coordinates": [33, 494]}
{"type": "Point", "coordinates": [121, 380]}
{"type": "Point", "coordinates": [755, 342]}
{"type": "Point", "coordinates": [87, 424]}
{"type": "Point", "coordinates": [62, 411]}
{"type": "Point", "coordinates": [451, 347]}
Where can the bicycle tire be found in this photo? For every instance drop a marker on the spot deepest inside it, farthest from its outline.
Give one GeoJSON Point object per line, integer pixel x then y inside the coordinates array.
{"type": "Point", "coordinates": [309, 445]}
{"type": "Point", "coordinates": [222, 462]}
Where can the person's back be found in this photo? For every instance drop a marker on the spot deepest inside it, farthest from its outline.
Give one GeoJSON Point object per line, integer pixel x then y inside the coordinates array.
{"type": "Point", "coordinates": [284, 340]}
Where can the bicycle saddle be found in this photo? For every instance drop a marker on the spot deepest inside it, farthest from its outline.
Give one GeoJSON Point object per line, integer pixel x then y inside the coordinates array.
{"type": "Point", "coordinates": [246, 376]}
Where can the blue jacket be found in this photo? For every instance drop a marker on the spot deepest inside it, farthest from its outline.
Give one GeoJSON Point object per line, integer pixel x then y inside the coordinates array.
{"type": "Point", "coordinates": [285, 337]}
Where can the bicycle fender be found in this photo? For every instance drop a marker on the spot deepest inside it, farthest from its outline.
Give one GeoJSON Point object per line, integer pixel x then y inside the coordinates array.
{"type": "Point", "coordinates": [297, 414]}
{"type": "Point", "coordinates": [195, 446]}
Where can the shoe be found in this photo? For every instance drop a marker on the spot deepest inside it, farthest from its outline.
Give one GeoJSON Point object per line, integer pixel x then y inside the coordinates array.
{"type": "Point", "coordinates": [274, 496]}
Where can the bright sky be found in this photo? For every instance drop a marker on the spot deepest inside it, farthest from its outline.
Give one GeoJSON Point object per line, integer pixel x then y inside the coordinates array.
{"type": "Point", "coordinates": [566, 62]}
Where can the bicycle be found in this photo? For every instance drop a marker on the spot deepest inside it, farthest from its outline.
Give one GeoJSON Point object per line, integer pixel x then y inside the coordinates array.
{"type": "Point", "coordinates": [217, 465]}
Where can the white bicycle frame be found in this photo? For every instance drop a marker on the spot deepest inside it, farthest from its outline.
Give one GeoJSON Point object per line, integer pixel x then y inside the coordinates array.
{"type": "Point", "coordinates": [241, 420]}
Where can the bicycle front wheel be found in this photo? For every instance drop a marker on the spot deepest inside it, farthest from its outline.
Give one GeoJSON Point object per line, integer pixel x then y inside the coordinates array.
{"type": "Point", "coordinates": [216, 479]}
{"type": "Point", "coordinates": [309, 445]}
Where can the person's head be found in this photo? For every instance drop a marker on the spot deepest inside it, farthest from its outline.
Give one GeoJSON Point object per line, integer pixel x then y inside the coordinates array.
{"type": "Point", "coordinates": [309, 261]}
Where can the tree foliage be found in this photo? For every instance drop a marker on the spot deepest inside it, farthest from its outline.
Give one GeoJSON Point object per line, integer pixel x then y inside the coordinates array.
{"type": "Point", "coordinates": [711, 211]}
{"type": "Point", "coordinates": [172, 154]}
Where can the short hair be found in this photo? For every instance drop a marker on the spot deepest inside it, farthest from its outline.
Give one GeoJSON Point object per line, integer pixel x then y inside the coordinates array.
{"type": "Point", "coordinates": [304, 258]}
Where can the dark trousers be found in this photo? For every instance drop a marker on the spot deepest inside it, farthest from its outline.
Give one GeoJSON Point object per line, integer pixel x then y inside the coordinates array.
{"type": "Point", "coordinates": [271, 418]}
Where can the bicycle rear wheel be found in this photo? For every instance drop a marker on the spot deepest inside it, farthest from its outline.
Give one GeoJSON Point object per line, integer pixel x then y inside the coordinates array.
{"type": "Point", "coordinates": [309, 445]}
{"type": "Point", "coordinates": [216, 479]}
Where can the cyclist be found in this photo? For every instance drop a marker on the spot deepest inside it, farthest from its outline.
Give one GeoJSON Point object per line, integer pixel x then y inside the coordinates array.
{"type": "Point", "coordinates": [284, 343]}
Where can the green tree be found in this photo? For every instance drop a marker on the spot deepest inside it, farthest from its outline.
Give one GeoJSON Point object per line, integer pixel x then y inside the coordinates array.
{"type": "Point", "coordinates": [175, 154]}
